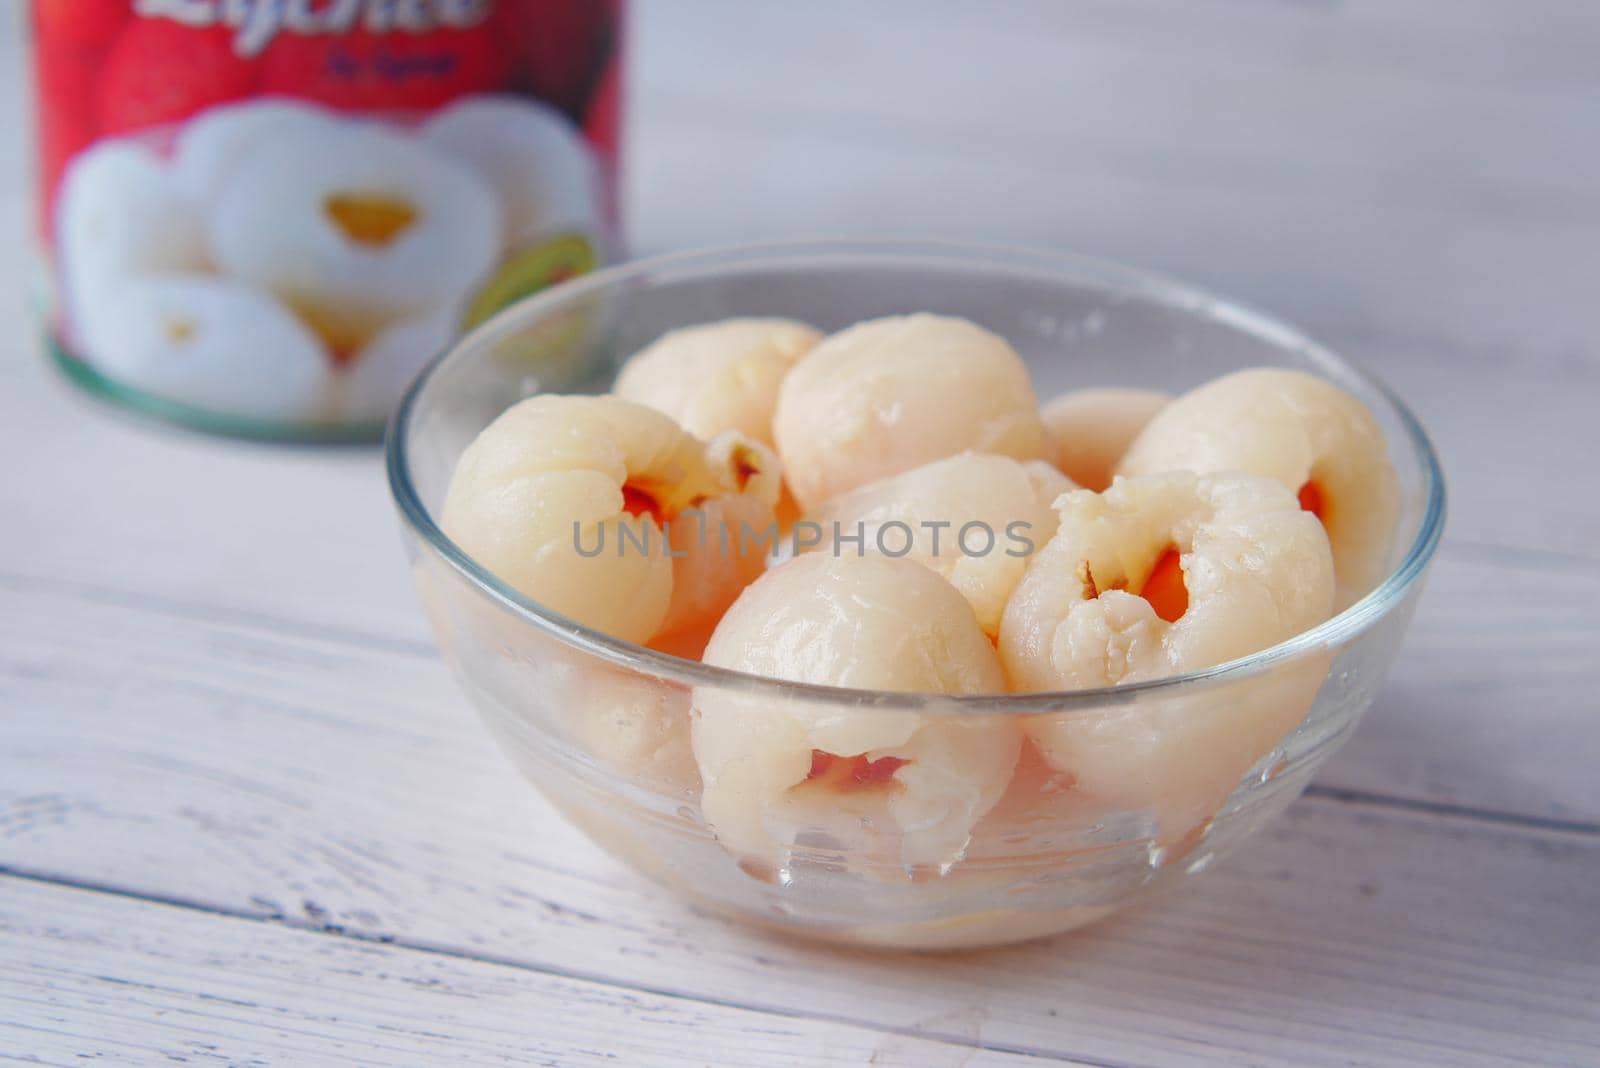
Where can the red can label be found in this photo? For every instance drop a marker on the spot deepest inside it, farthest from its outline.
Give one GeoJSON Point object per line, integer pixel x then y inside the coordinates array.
{"type": "Point", "coordinates": [267, 215]}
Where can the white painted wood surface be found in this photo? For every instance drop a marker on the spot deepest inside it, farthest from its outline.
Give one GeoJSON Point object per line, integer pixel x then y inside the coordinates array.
{"type": "Point", "coordinates": [245, 816]}
{"type": "Point", "coordinates": [131, 981]}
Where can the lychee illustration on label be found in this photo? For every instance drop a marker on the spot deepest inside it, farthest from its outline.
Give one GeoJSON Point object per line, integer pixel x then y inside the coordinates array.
{"type": "Point", "coordinates": [278, 211]}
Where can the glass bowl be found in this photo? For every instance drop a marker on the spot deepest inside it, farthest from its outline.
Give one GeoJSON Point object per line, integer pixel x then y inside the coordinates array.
{"type": "Point", "coordinates": [1185, 768]}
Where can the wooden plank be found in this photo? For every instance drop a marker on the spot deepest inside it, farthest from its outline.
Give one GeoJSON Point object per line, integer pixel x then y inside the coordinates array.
{"type": "Point", "coordinates": [1414, 270]}
{"type": "Point", "coordinates": [120, 505]}
{"type": "Point", "coordinates": [1514, 433]}
{"type": "Point", "coordinates": [1262, 86]}
{"type": "Point", "coordinates": [87, 975]}
{"type": "Point", "coordinates": [1417, 168]}
{"type": "Point", "coordinates": [283, 775]}
{"type": "Point", "coordinates": [1492, 702]}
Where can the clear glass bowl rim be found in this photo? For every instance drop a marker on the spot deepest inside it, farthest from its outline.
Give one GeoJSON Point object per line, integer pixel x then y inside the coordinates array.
{"type": "Point", "coordinates": [1113, 278]}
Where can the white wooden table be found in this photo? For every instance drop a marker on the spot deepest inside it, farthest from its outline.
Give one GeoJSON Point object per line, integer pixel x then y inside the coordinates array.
{"type": "Point", "coordinates": [246, 818]}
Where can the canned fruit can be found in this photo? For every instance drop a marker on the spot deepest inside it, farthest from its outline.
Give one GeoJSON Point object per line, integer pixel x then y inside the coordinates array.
{"type": "Point", "coordinates": [262, 217]}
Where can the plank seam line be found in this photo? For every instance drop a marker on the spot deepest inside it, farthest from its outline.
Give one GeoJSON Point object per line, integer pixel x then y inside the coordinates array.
{"type": "Point", "coordinates": [1222, 168]}
{"type": "Point", "coordinates": [272, 919]}
{"type": "Point", "coordinates": [217, 614]}
{"type": "Point", "coordinates": [1547, 560]}
{"type": "Point", "coordinates": [1343, 795]}
{"type": "Point", "coordinates": [1551, 560]}
{"type": "Point", "coordinates": [1346, 333]}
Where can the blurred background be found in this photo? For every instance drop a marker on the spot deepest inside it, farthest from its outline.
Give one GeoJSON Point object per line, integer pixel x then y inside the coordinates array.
{"type": "Point", "coordinates": [1418, 170]}
{"type": "Point", "coordinates": [1412, 181]}
{"type": "Point", "coordinates": [1421, 170]}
